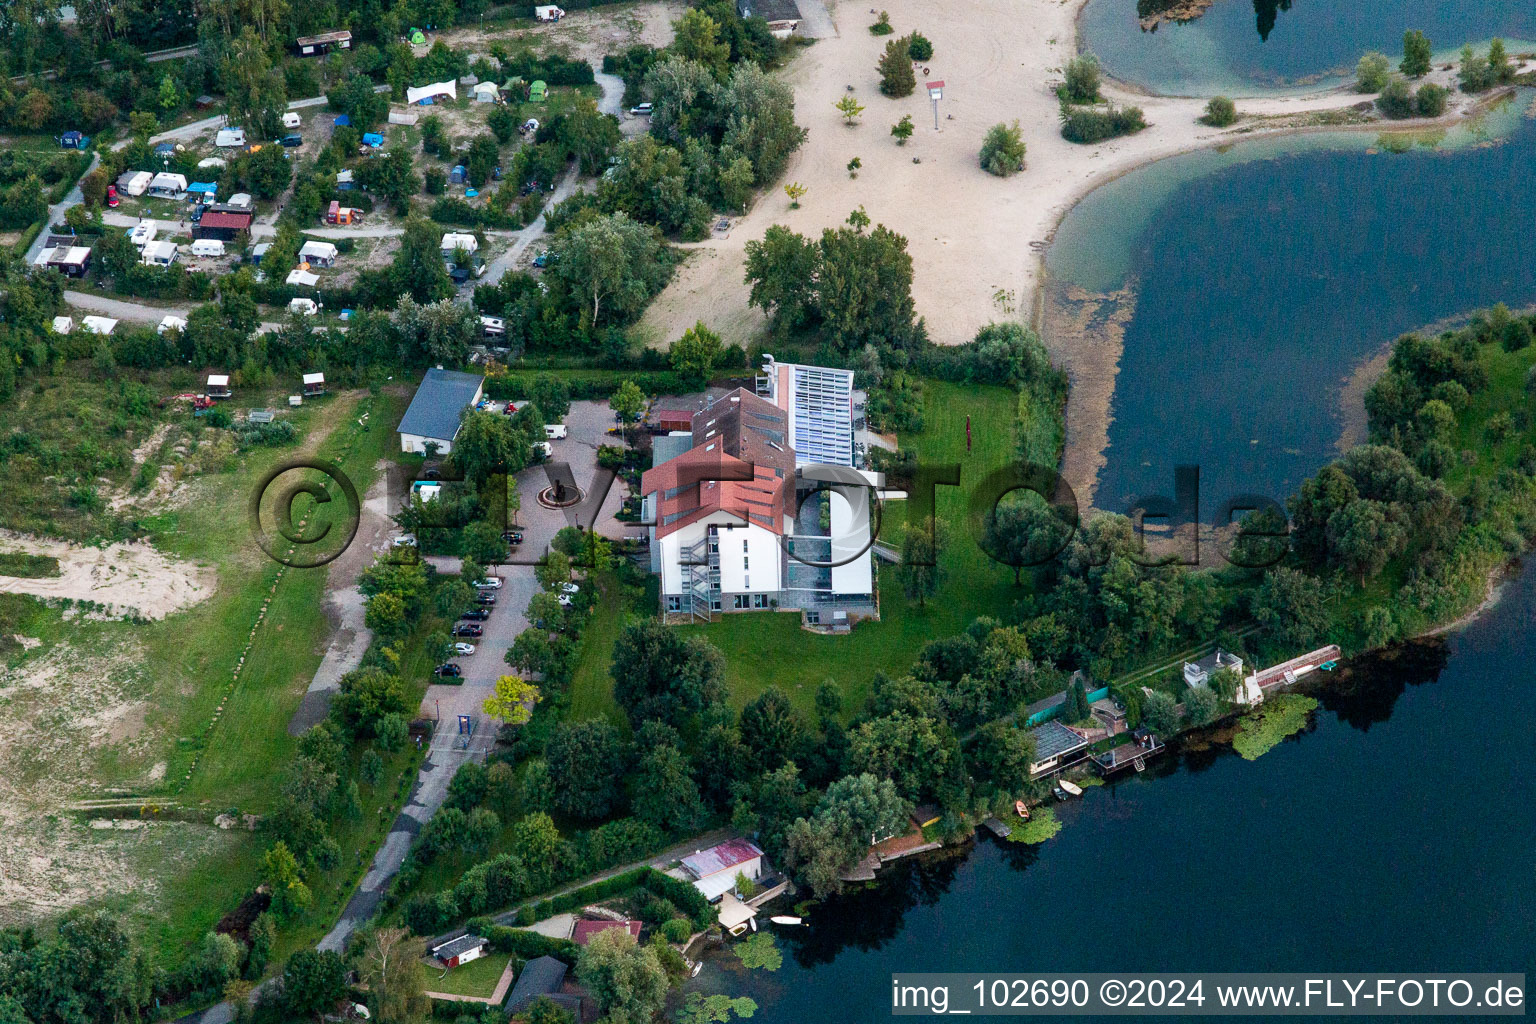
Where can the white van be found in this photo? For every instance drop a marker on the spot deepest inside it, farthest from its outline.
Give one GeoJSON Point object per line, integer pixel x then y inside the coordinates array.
{"type": "Point", "coordinates": [292, 120]}
{"type": "Point", "coordinates": [305, 307]}
{"type": "Point", "coordinates": [230, 138]}
{"type": "Point", "coordinates": [543, 450]}
{"type": "Point", "coordinates": [555, 431]}
{"type": "Point", "coordinates": [208, 247]}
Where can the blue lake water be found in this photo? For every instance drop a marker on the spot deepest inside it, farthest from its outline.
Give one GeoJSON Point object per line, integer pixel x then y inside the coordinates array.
{"type": "Point", "coordinates": [1245, 46]}
{"type": "Point", "coordinates": [1395, 834]}
{"type": "Point", "coordinates": [1263, 275]}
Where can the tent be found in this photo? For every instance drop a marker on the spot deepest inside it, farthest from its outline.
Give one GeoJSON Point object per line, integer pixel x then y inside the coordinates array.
{"type": "Point", "coordinates": [538, 91]}
{"type": "Point", "coordinates": [373, 139]}
{"type": "Point", "coordinates": [302, 278]}
{"type": "Point", "coordinates": [171, 323]}
{"type": "Point", "coordinates": [212, 161]}
{"type": "Point", "coordinates": [485, 92]}
{"type": "Point", "coordinates": [98, 324]}
{"type": "Point", "coordinates": [323, 253]}
{"type": "Point", "coordinates": [418, 38]}
{"type": "Point", "coordinates": [400, 117]}
{"type": "Point", "coordinates": [448, 89]}
{"type": "Point", "coordinates": [343, 121]}
{"type": "Point", "coordinates": [207, 188]}
{"type": "Point", "coordinates": [457, 174]}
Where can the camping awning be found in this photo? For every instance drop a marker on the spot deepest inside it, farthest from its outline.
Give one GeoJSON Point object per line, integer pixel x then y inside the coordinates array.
{"type": "Point", "coordinates": [317, 250]}
{"type": "Point", "coordinates": [203, 186]}
{"type": "Point", "coordinates": [303, 278]}
{"type": "Point", "coordinates": [426, 92]}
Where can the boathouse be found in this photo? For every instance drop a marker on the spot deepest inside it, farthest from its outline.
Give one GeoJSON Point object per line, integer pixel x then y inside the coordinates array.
{"type": "Point", "coordinates": [1056, 748]}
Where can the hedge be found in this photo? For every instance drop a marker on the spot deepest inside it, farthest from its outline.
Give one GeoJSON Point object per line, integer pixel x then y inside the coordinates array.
{"type": "Point", "coordinates": [683, 895]}
{"type": "Point", "coordinates": [514, 386]}
{"type": "Point", "coordinates": [525, 945]}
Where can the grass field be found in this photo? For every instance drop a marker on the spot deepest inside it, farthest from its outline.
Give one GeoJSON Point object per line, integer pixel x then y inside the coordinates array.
{"type": "Point", "coordinates": [765, 650]}
{"type": "Point", "coordinates": [591, 685]}
{"type": "Point", "coordinates": [476, 978]}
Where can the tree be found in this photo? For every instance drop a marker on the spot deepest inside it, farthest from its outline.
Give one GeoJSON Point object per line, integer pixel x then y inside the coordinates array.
{"type": "Point", "coordinates": [1082, 80]}
{"type": "Point", "coordinates": [355, 98]}
{"type": "Point", "coordinates": [664, 793]}
{"type": "Point", "coordinates": [895, 67]}
{"type": "Point", "coordinates": [417, 269]}
{"type": "Point", "coordinates": [586, 762]}
{"type": "Point", "coordinates": [855, 811]}
{"type": "Point", "coordinates": [850, 108]}
{"type": "Point", "coordinates": [659, 673]}
{"type": "Point", "coordinates": [1160, 713]}
{"type": "Point", "coordinates": [1001, 753]}
{"type": "Point", "coordinates": [913, 751]}
{"type": "Point", "coordinates": [794, 190]}
{"type": "Point", "coordinates": [1002, 151]}
{"type": "Point", "coordinates": [1500, 70]}
{"type": "Point", "coordinates": [255, 91]}
{"type": "Point", "coordinates": [512, 703]}
{"type": "Point", "coordinates": [280, 872]}
{"type": "Point", "coordinates": [1364, 537]}
{"type": "Point", "coordinates": [627, 979]}
{"type": "Point", "coordinates": [1430, 100]}
{"type": "Point", "coordinates": [919, 47]}
{"type": "Point", "coordinates": [1292, 606]}
{"type": "Point", "coordinates": [1220, 112]}
{"type": "Point", "coordinates": [392, 971]}
{"type": "Point", "coordinates": [1418, 54]}
{"type": "Point", "coordinates": [489, 444]}
{"type": "Point", "coordinates": [701, 1009]}
{"type": "Point", "coordinates": [697, 38]}
{"type": "Point", "coordinates": [902, 130]}
{"type": "Point", "coordinates": [772, 728]}
{"type": "Point", "coordinates": [1372, 71]}
{"type": "Point", "coordinates": [502, 122]}
{"type": "Point", "coordinates": [1201, 706]}
{"type": "Point", "coordinates": [1396, 98]}
{"type": "Point", "coordinates": [313, 982]}
{"type": "Point", "coordinates": [484, 154]}
{"type": "Point", "coordinates": [695, 354]}
{"type": "Point", "coordinates": [267, 172]}
{"type": "Point", "coordinates": [920, 572]}
{"type": "Point", "coordinates": [1024, 532]}
{"type": "Point", "coordinates": [590, 135]}
{"type": "Point", "coordinates": [615, 264]}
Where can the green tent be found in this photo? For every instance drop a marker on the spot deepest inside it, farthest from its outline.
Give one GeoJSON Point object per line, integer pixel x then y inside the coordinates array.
{"type": "Point", "coordinates": [536, 91]}
{"type": "Point", "coordinates": [418, 38]}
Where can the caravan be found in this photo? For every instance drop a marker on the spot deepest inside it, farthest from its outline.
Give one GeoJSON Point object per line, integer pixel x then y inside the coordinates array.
{"type": "Point", "coordinates": [230, 138]}
{"type": "Point", "coordinates": [208, 247]}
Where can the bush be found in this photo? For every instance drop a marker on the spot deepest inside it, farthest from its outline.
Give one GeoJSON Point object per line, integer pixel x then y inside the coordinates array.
{"type": "Point", "coordinates": [1220, 112]}
{"type": "Point", "coordinates": [1372, 72]}
{"type": "Point", "coordinates": [1396, 99]}
{"type": "Point", "coordinates": [1082, 80]}
{"type": "Point", "coordinates": [919, 46]}
{"type": "Point", "coordinates": [896, 77]}
{"type": "Point", "coordinates": [676, 930]}
{"type": "Point", "coordinates": [882, 26]}
{"type": "Point", "coordinates": [1091, 124]}
{"type": "Point", "coordinates": [1430, 100]}
{"type": "Point", "coordinates": [1002, 151]}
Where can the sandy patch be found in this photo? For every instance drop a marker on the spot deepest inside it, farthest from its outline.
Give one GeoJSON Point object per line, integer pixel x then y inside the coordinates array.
{"type": "Point", "coordinates": [971, 235]}
{"type": "Point", "coordinates": [1087, 332]}
{"type": "Point", "coordinates": [126, 579]}
{"type": "Point", "coordinates": [588, 34]}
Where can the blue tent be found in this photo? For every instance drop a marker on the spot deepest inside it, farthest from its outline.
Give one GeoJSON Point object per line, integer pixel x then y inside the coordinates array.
{"type": "Point", "coordinates": [373, 139]}
{"type": "Point", "coordinates": [165, 149]}
{"type": "Point", "coordinates": [343, 121]}
{"type": "Point", "coordinates": [458, 174]}
{"type": "Point", "coordinates": [203, 186]}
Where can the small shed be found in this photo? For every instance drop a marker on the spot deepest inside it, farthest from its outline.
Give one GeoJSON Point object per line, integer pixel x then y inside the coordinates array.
{"type": "Point", "coordinates": [69, 260]}
{"type": "Point", "coordinates": [302, 279]}
{"type": "Point", "coordinates": [538, 92]}
{"type": "Point", "coordinates": [325, 42]}
{"type": "Point", "coordinates": [461, 950]}
{"type": "Point", "coordinates": [218, 385]}
{"type": "Point", "coordinates": [485, 92]}
{"type": "Point", "coordinates": [62, 325]}
{"type": "Point", "coordinates": [98, 324]}
{"type": "Point", "coordinates": [316, 253]}
{"type": "Point", "coordinates": [314, 384]}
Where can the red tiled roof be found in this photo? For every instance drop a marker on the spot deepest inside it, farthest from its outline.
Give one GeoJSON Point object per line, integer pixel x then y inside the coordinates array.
{"type": "Point", "coordinates": [586, 929]}
{"type": "Point", "coordinates": [724, 857]}
{"type": "Point", "coordinates": [739, 464]}
{"type": "Point", "coordinates": [220, 219]}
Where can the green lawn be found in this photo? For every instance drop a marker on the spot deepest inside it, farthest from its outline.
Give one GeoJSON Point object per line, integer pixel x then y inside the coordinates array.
{"type": "Point", "coordinates": [591, 685]}
{"type": "Point", "coordinates": [765, 650]}
{"type": "Point", "coordinates": [476, 978]}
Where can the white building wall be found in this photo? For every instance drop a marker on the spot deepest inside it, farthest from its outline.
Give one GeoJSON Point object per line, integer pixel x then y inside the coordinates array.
{"type": "Point", "coordinates": [850, 536]}
{"type": "Point", "coordinates": [760, 564]}
{"type": "Point", "coordinates": [417, 445]}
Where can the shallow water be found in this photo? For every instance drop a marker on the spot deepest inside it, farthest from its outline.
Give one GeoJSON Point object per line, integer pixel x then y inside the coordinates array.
{"type": "Point", "coordinates": [1264, 275]}
{"type": "Point", "coordinates": [1245, 46]}
{"type": "Point", "coordinates": [1392, 835]}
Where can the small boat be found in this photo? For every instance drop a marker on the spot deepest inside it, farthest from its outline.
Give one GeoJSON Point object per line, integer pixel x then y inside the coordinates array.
{"type": "Point", "coordinates": [785, 919]}
{"type": "Point", "coordinates": [1021, 809]}
{"type": "Point", "coordinates": [1070, 788]}
{"type": "Point", "coordinates": [696, 969]}
{"type": "Point", "coordinates": [753, 922]}
{"type": "Point", "coordinates": [1058, 793]}
{"type": "Point", "coordinates": [1328, 666]}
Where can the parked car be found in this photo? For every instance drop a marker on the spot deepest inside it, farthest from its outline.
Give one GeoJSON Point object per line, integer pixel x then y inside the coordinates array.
{"type": "Point", "coordinates": [544, 450]}
{"type": "Point", "coordinates": [544, 259]}
{"type": "Point", "coordinates": [486, 598]}
{"type": "Point", "coordinates": [290, 141]}
{"type": "Point", "coordinates": [477, 614]}
{"type": "Point", "coordinates": [489, 583]}
{"type": "Point", "coordinates": [405, 540]}
{"type": "Point", "coordinates": [512, 536]}
{"type": "Point", "coordinates": [467, 629]}
{"type": "Point", "coordinates": [463, 650]}
{"type": "Point", "coordinates": [304, 307]}
{"type": "Point", "coordinates": [112, 199]}
{"type": "Point", "coordinates": [449, 670]}
{"type": "Point", "coordinates": [570, 588]}
{"type": "Point", "coordinates": [565, 600]}
{"type": "Point", "coordinates": [641, 110]}
{"type": "Point", "coordinates": [555, 431]}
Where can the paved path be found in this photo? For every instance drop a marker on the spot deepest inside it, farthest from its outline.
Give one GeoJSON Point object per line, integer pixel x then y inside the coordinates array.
{"type": "Point", "coordinates": [815, 21]}
{"type": "Point", "coordinates": [56, 212]}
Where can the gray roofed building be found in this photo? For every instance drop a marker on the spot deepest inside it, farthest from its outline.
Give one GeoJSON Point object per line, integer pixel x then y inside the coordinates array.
{"type": "Point", "coordinates": [541, 977]}
{"type": "Point", "coordinates": [1199, 673]}
{"type": "Point", "coordinates": [1053, 743]}
{"type": "Point", "coordinates": [435, 411]}
{"type": "Point", "coordinates": [782, 16]}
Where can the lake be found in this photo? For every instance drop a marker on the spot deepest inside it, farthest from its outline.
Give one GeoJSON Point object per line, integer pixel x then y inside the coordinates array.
{"type": "Point", "coordinates": [1394, 834]}
{"type": "Point", "coordinates": [1246, 286]}
{"type": "Point", "coordinates": [1242, 47]}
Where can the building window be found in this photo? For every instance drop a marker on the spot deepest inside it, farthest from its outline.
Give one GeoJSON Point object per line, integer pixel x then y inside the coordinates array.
{"type": "Point", "coordinates": [759, 600]}
{"type": "Point", "coordinates": [743, 545]}
{"type": "Point", "coordinates": [739, 601]}
{"type": "Point", "coordinates": [674, 603]}
{"type": "Point", "coordinates": [745, 563]}
{"type": "Point", "coordinates": [746, 582]}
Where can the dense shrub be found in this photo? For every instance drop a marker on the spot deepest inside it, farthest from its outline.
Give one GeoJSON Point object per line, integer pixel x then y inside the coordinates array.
{"type": "Point", "coordinates": [1220, 112]}
{"type": "Point", "coordinates": [1094, 124]}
